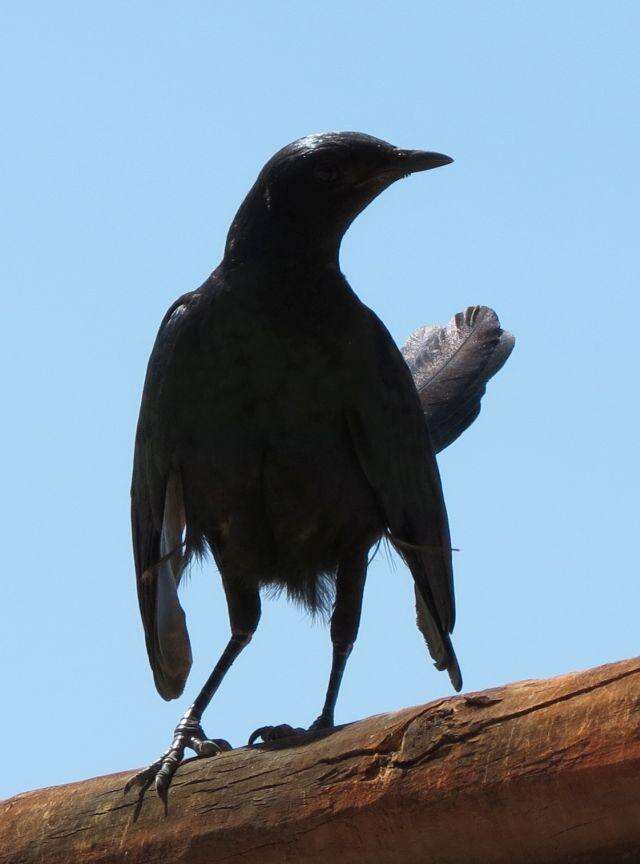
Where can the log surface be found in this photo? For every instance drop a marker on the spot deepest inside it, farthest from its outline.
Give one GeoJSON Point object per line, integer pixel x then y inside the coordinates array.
{"type": "Point", "coordinates": [537, 771]}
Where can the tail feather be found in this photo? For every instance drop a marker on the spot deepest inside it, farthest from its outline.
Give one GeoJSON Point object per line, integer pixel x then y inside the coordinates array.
{"type": "Point", "coordinates": [451, 367]}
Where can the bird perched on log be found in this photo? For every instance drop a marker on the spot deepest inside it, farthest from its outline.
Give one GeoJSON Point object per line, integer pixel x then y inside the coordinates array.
{"type": "Point", "coordinates": [281, 429]}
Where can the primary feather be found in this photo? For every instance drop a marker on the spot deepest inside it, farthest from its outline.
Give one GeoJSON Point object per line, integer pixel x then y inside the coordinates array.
{"type": "Point", "coordinates": [157, 522]}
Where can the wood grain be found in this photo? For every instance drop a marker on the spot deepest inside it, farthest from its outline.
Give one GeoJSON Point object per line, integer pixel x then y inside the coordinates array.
{"type": "Point", "coordinates": [537, 771]}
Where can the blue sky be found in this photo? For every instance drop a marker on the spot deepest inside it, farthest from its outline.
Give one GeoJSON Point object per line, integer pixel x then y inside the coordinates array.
{"type": "Point", "coordinates": [131, 132]}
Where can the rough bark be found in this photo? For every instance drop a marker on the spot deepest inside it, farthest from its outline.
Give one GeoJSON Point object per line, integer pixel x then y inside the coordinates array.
{"type": "Point", "coordinates": [537, 771]}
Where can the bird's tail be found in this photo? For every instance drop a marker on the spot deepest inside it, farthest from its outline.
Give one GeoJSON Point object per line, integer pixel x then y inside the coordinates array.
{"type": "Point", "coordinates": [451, 367]}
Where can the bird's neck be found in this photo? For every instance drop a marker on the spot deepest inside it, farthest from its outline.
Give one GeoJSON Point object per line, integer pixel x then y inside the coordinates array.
{"type": "Point", "coordinates": [257, 236]}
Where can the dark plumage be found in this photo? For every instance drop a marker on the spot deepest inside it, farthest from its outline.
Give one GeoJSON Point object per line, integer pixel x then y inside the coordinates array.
{"type": "Point", "coordinates": [451, 366]}
{"type": "Point", "coordinates": [280, 428]}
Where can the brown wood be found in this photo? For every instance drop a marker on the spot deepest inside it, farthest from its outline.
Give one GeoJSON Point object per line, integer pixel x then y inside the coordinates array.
{"type": "Point", "coordinates": [537, 771]}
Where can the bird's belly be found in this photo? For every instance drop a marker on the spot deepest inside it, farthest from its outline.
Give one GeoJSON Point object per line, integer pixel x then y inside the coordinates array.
{"type": "Point", "coordinates": [318, 511]}
{"type": "Point", "coordinates": [297, 486]}
{"type": "Point", "coordinates": [317, 500]}
{"type": "Point", "coordinates": [275, 472]}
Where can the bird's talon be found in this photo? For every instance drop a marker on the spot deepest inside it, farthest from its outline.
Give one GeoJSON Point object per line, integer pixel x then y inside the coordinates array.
{"type": "Point", "coordinates": [162, 788]}
{"type": "Point", "coordinates": [270, 734]}
{"type": "Point", "coordinates": [207, 747]}
{"type": "Point", "coordinates": [143, 778]}
{"type": "Point", "coordinates": [163, 770]}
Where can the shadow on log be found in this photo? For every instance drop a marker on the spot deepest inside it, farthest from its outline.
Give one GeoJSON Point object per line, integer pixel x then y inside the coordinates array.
{"type": "Point", "coordinates": [537, 771]}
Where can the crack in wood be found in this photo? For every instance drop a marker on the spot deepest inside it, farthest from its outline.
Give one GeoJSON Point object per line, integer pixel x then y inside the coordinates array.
{"type": "Point", "coordinates": [458, 780]}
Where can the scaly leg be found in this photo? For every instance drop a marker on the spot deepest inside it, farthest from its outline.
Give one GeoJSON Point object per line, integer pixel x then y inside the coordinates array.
{"type": "Point", "coordinates": [244, 614]}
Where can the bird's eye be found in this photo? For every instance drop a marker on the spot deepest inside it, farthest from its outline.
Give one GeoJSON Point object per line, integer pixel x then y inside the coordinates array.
{"type": "Point", "coordinates": [326, 172]}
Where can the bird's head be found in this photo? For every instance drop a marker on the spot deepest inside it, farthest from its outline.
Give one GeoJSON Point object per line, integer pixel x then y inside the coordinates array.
{"type": "Point", "coordinates": [312, 189]}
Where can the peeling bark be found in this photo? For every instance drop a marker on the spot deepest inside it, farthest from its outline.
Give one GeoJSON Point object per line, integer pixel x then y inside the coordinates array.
{"type": "Point", "coordinates": [536, 772]}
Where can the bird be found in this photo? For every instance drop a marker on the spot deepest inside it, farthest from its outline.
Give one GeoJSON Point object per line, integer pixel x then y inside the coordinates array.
{"type": "Point", "coordinates": [283, 431]}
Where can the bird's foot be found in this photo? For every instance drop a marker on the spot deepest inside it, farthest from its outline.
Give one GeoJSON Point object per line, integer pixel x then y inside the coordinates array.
{"type": "Point", "coordinates": [269, 734]}
{"type": "Point", "coordinates": [188, 733]}
{"type": "Point", "coordinates": [324, 721]}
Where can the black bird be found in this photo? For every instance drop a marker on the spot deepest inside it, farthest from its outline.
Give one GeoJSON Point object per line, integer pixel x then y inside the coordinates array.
{"type": "Point", "coordinates": [281, 429]}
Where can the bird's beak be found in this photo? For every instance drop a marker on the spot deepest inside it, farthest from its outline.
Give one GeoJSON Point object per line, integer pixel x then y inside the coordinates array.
{"type": "Point", "coordinates": [400, 163]}
{"type": "Point", "coordinates": [409, 161]}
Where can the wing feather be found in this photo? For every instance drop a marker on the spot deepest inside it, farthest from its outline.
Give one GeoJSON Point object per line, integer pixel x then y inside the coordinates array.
{"type": "Point", "coordinates": [391, 440]}
{"type": "Point", "coordinates": [157, 523]}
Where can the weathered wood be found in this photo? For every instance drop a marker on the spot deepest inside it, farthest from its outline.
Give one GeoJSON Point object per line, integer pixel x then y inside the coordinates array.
{"type": "Point", "coordinates": [537, 771]}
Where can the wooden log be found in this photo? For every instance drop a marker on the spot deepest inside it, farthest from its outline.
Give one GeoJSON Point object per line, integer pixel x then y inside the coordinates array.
{"type": "Point", "coordinates": [537, 771]}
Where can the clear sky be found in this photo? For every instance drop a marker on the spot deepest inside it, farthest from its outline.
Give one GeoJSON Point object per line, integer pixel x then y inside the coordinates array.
{"type": "Point", "coordinates": [131, 132]}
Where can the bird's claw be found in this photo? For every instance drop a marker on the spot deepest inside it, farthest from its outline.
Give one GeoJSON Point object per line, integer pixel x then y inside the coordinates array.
{"type": "Point", "coordinates": [188, 733]}
{"type": "Point", "coordinates": [270, 734]}
{"type": "Point", "coordinates": [143, 778]}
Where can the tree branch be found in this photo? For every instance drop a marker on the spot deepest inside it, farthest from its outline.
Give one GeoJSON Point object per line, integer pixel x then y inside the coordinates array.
{"type": "Point", "coordinates": [537, 771]}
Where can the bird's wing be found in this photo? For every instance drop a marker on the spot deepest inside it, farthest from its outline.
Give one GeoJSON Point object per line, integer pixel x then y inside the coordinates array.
{"type": "Point", "coordinates": [158, 521]}
{"type": "Point", "coordinates": [451, 366]}
{"type": "Point", "coordinates": [392, 443]}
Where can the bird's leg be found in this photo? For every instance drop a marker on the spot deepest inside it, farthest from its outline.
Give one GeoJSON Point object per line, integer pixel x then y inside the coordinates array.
{"type": "Point", "coordinates": [188, 732]}
{"type": "Point", "coordinates": [340, 656]}
{"type": "Point", "coordinates": [244, 613]}
{"type": "Point", "coordinates": [345, 621]}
